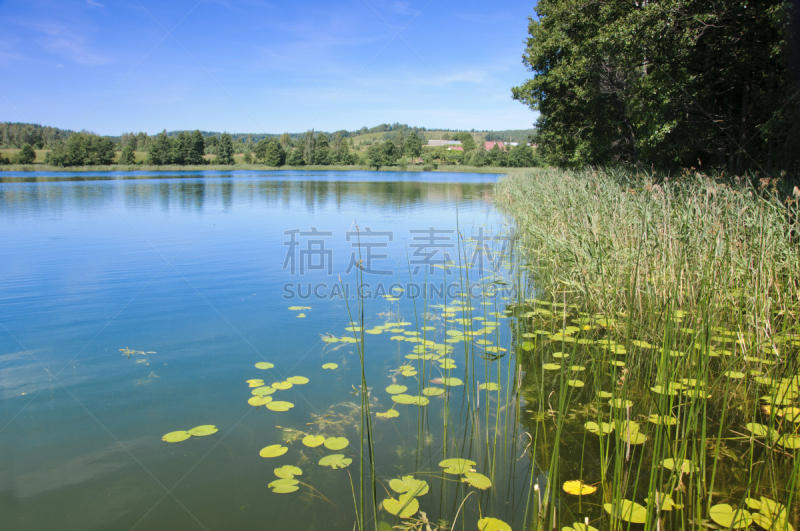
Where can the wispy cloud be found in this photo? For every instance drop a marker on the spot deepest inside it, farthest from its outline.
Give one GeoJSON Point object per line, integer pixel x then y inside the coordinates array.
{"type": "Point", "coordinates": [65, 41]}
{"type": "Point", "coordinates": [95, 3]}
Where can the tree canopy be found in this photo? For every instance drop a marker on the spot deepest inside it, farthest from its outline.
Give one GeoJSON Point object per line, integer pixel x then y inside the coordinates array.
{"type": "Point", "coordinates": [664, 82]}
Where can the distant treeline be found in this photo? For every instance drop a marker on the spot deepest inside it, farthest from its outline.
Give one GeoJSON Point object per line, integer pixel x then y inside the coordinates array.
{"type": "Point", "coordinates": [398, 144]}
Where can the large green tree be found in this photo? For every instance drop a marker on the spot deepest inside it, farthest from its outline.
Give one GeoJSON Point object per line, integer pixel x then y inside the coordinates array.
{"type": "Point", "coordinates": [663, 82]}
{"type": "Point", "coordinates": [225, 150]}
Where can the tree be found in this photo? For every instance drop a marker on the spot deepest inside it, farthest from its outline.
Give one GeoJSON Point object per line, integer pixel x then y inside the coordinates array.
{"type": "Point", "coordinates": [413, 145]}
{"type": "Point", "coordinates": [127, 156]}
{"type": "Point", "coordinates": [25, 156]}
{"type": "Point", "coordinates": [666, 83]}
{"type": "Point", "coordinates": [286, 140]}
{"type": "Point", "coordinates": [467, 142]}
{"type": "Point", "coordinates": [322, 150]}
{"type": "Point", "coordinates": [274, 154]}
{"type": "Point", "coordinates": [521, 156]}
{"type": "Point", "coordinates": [197, 148]}
{"type": "Point", "coordinates": [160, 151]}
{"type": "Point", "coordinates": [296, 158]}
{"type": "Point", "coordinates": [225, 150]}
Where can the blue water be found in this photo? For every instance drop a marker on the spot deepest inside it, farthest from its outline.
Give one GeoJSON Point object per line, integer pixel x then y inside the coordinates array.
{"type": "Point", "coordinates": [193, 268]}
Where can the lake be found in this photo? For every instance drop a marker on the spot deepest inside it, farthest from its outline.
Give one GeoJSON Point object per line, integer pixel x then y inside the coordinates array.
{"type": "Point", "coordinates": [134, 305]}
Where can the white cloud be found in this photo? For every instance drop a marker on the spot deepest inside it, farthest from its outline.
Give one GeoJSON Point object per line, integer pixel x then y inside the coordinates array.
{"type": "Point", "coordinates": [94, 3]}
{"type": "Point", "coordinates": [62, 39]}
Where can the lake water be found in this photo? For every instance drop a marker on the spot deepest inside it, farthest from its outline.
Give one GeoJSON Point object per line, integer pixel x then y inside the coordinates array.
{"type": "Point", "coordinates": [134, 305]}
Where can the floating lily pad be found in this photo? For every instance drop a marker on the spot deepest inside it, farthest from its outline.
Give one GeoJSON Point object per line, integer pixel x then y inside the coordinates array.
{"type": "Point", "coordinates": [255, 382]}
{"type": "Point", "coordinates": [288, 472]}
{"type": "Point", "coordinates": [489, 386]}
{"type": "Point", "coordinates": [760, 431]}
{"type": "Point", "coordinates": [176, 436]}
{"type": "Point", "coordinates": [457, 466]}
{"type": "Point", "coordinates": [283, 482]}
{"type": "Point", "coordinates": [274, 450]}
{"type": "Point", "coordinates": [348, 339]}
{"type": "Point", "coordinates": [409, 373]}
{"type": "Point", "coordinates": [330, 366]}
{"type": "Point", "coordinates": [410, 485]}
{"type": "Point", "coordinates": [388, 414]}
{"type": "Point", "coordinates": [599, 429]}
{"type": "Point", "coordinates": [264, 390]}
{"type": "Point", "coordinates": [282, 385]}
{"type": "Point", "coordinates": [433, 391]}
{"type": "Point", "coordinates": [627, 511]}
{"type": "Point", "coordinates": [662, 420]}
{"type": "Point", "coordinates": [684, 466]}
{"type": "Point", "coordinates": [560, 355]}
{"type": "Point", "coordinates": [577, 526]}
{"type": "Point", "coordinates": [411, 400]}
{"type": "Point", "coordinates": [479, 481]}
{"type": "Point", "coordinates": [551, 366]}
{"type": "Point", "coordinates": [285, 489]}
{"type": "Point", "coordinates": [492, 524]}
{"type": "Point", "coordinates": [575, 383]}
{"type": "Point", "coordinates": [336, 443]}
{"type": "Point", "coordinates": [604, 394]}
{"type": "Point", "coordinates": [299, 308]}
{"type": "Point", "coordinates": [665, 501]}
{"type": "Point", "coordinates": [259, 400]}
{"type": "Point", "coordinates": [396, 389]}
{"type": "Point", "coordinates": [405, 507]}
{"type": "Point", "coordinates": [734, 374]}
{"type": "Point", "coordinates": [577, 487]}
{"type": "Point", "coordinates": [202, 431]}
{"type": "Point", "coordinates": [620, 403]}
{"type": "Point", "coordinates": [279, 405]}
{"type": "Point", "coordinates": [724, 515]}
{"type": "Point", "coordinates": [335, 461]}
{"type": "Point", "coordinates": [790, 441]}
{"type": "Point", "coordinates": [264, 365]}
{"type": "Point", "coordinates": [451, 382]}
{"type": "Point", "coordinates": [297, 380]}
{"type": "Point", "coordinates": [312, 441]}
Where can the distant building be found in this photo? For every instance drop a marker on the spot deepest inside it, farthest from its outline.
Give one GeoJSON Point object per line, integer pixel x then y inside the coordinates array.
{"type": "Point", "coordinates": [442, 143]}
{"type": "Point", "coordinates": [512, 144]}
{"type": "Point", "coordinates": [455, 148]}
{"type": "Point", "coordinates": [490, 146]}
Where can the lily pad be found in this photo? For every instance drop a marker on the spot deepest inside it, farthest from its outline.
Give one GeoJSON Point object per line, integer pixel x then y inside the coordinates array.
{"type": "Point", "coordinates": [312, 441]}
{"type": "Point", "coordinates": [457, 466]}
{"type": "Point", "coordinates": [264, 365]}
{"type": "Point", "coordinates": [405, 507]}
{"type": "Point", "coordinates": [336, 443]}
{"type": "Point", "coordinates": [735, 375]}
{"type": "Point", "coordinates": [577, 487]}
{"type": "Point", "coordinates": [599, 429]}
{"type": "Point", "coordinates": [433, 391]}
{"type": "Point", "coordinates": [493, 524]}
{"type": "Point", "coordinates": [288, 472]}
{"type": "Point", "coordinates": [285, 489]}
{"type": "Point", "coordinates": [388, 414]}
{"type": "Point", "coordinates": [282, 385]}
{"type": "Point", "coordinates": [396, 389]}
{"type": "Point", "coordinates": [176, 436]}
{"type": "Point", "coordinates": [450, 382]}
{"type": "Point", "coordinates": [297, 380]}
{"type": "Point", "coordinates": [627, 511]}
{"type": "Point", "coordinates": [411, 400]}
{"type": "Point", "coordinates": [489, 386]}
{"type": "Point", "coordinates": [264, 390]}
{"type": "Point", "coordinates": [202, 431]}
{"type": "Point", "coordinates": [259, 400]}
{"type": "Point", "coordinates": [575, 383]}
{"type": "Point", "coordinates": [479, 481]}
{"type": "Point", "coordinates": [279, 405]}
{"type": "Point", "coordinates": [410, 485]}
{"type": "Point", "coordinates": [551, 366]}
{"type": "Point", "coordinates": [335, 461]}
{"type": "Point", "coordinates": [724, 515]}
{"type": "Point", "coordinates": [330, 366]}
{"type": "Point", "coordinates": [620, 403]}
{"type": "Point", "coordinates": [283, 482]}
{"type": "Point", "coordinates": [255, 382]}
{"type": "Point", "coordinates": [274, 450]}
{"type": "Point", "coordinates": [684, 466]}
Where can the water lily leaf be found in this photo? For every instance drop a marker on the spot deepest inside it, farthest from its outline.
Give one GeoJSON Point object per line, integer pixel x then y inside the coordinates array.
{"type": "Point", "coordinates": [330, 366]}
{"type": "Point", "coordinates": [734, 374]}
{"type": "Point", "coordinates": [410, 485]}
{"type": "Point", "coordinates": [335, 461]}
{"type": "Point", "coordinates": [620, 403]}
{"type": "Point", "coordinates": [685, 466]}
{"type": "Point", "coordinates": [575, 383]}
{"type": "Point", "coordinates": [662, 420]}
{"type": "Point", "coordinates": [396, 389]}
{"type": "Point", "coordinates": [264, 365]}
{"type": "Point", "coordinates": [297, 380]}
{"type": "Point", "coordinates": [604, 427]}
{"type": "Point", "coordinates": [273, 450]}
{"type": "Point", "coordinates": [627, 511]}
{"type": "Point", "coordinates": [560, 355]}
{"type": "Point", "coordinates": [493, 524]}
{"type": "Point", "coordinates": [336, 443]}
{"type": "Point", "coordinates": [299, 308]}
{"type": "Point", "coordinates": [405, 507]}
{"type": "Point", "coordinates": [283, 482]}
{"type": "Point", "coordinates": [259, 400]}
{"type": "Point", "coordinates": [202, 431]}
{"type": "Point", "coordinates": [312, 441]}
{"type": "Point", "coordinates": [285, 489]}
{"type": "Point", "coordinates": [279, 405]}
{"type": "Point", "coordinates": [255, 382]}
{"type": "Point", "coordinates": [790, 441]}
{"type": "Point", "coordinates": [288, 472]}
{"type": "Point", "coordinates": [665, 500]}
{"type": "Point", "coordinates": [330, 339]}
{"type": "Point", "coordinates": [447, 363]}
{"type": "Point", "coordinates": [577, 368]}
{"type": "Point", "coordinates": [433, 391]}
{"type": "Point", "coordinates": [388, 414]}
{"type": "Point", "coordinates": [409, 373]}
{"type": "Point", "coordinates": [760, 431]}
{"type": "Point", "coordinates": [479, 481]}
{"type": "Point", "coordinates": [604, 394]}
{"type": "Point", "coordinates": [577, 487]}
{"type": "Point", "coordinates": [752, 504]}
{"type": "Point", "coordinates": [489, 386]}
{"type": "Point", "coordinates": [551, 366]}
{"type": "Point", "coordinates": [577, 526]}
{"type": "Point", "coordinates": [724, 515]}
{"type": "Point", "coordinates": [450, 382]}
{"type": "Point", "coordinates": [282, 385]}
{"type": "Point", "coordinates": [176, 436]}
{"type": "Point", "coordinates": [264, 390]}
{"type": "Point", "coordinates": [457, 466]}
{"type": "Point", "coordinates": [791, 414]}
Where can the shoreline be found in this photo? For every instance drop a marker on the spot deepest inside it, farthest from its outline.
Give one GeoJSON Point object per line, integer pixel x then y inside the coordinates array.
{"type": "Point", "coordinates": [31, 168]}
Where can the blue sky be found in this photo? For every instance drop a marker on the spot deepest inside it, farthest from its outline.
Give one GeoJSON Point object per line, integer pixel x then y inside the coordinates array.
{"type": "Point", "coordinates": [252, 66]}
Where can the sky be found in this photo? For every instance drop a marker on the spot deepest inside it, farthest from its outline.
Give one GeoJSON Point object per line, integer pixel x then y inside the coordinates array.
{"type": "Point", "coordinates": [262, 67]}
